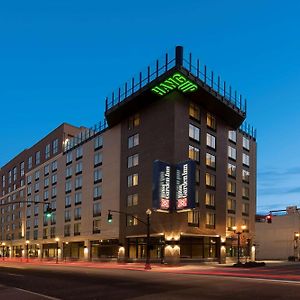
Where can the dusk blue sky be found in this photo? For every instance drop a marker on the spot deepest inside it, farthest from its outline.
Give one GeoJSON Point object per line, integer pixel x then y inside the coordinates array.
{"type": "Point", "coordinates": [60, 59]}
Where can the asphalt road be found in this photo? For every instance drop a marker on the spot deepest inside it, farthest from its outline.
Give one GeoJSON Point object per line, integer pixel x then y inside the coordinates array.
{"type": "Point", "coordinates": [58, 282]}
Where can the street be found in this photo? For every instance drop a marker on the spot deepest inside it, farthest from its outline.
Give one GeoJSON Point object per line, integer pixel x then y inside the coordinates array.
{"type": "Point", "coordinates": [112, 281]}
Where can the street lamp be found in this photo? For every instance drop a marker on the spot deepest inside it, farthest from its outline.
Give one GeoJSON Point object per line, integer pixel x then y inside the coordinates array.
{"type": "Point", "coordinates": [147, 265]}
{"type": "Point", "coordinates": [27, 245]}
{"type": "Point", "coordinates": [57, 240]}
{"type": "Point", "coordinates": [3, 245]}
{"type": "Point", "coordinates": [243, 227]}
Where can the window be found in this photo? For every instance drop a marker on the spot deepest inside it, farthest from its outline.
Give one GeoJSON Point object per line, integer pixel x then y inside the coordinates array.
{"type": "Point", "coordinates": [133, 141]}
{"type": "Point", "coordinates": [69, 157]}
{"type": "Point", "coordinates": [37, 175]}
{"type": "Point", "coordinates": [45, 233]}
{"type": "Point", "coordinates": [194, 111]}
{"type": "Point", "coordinates": [245, 209]}
{"type": "Point", "coordinates": [54, 179]}
{"type": "Point", "coordinates": [54, 166]}
{"type": "Point", "coordinates": [210, 160]}
{"type": "Point", "coordinates": [9, 176]}
{"type": "Point", "coordinates": [97, 175]}
{"type": "Point", "coordinates": [132, 200]}
{"type": "Point", "coordinates": [230, 222]}
{"type": "Point", "coordinates": [232, 135]}
{"type": "Point", "coordinates": [68, 186]}
{"type": "Point", "coordinates": [47, 151]}
{"type": "Point", "coordinates": [211, 141]}
{"type": "Point", "coordinates": [97, 159]}
{"type": "Point", "coordinates": [193, 218]}
{"type": "Point", "coordinates": [98, 143]}
{"type": "Point", "coordinates": [211, 121]}
{"type": "Point", "coordinates": [46, 170]}
{"type": "Point", "coordinates": [77, 228]}
{"type": "Point", "coordinates": [210, 220]}
{"type": "Point", "coordinates": [97, 192]}
{"type": "Point", "coordinates": [78, 198]}
{"type": "Point", "coordinates": [67, 230]}
{"type": "Point", "coordinates": [246, 143]}
{"type": "Point", "coordinates": [3, 181]}
{"type": "Point", "coordinates": [53, 192]}
{"type": "Point", "coordinates": [36, 210]}
{"type": "Point", "coordinates": [53, 218]}
{"type": "Point", "coordinates": [245, 192]}
{"type": "Point", "coordinates": [97, 209]}
{"type": "Point", "coordinates": [246, 160]}
{"type": "Point", "coordinates": [55, 146]}
{"type": "Point", "coordinates": [96, 226]}
{"type": "Point", "coordinates": [29, 162]}
{"type": "Point", "coordinates": [68, 201]}
{"type": "Point", "coordinates": [246, 223]}
{"type": "Point", "coordinates": [46, 195]}
{"type": "Point", "coordinates": [209, 199]}
{"type": "Point", "coordinates": [245, 175]}
{"type": "Point", "coordinates": [78, 182]}
{"type": "Point", "coordinates": [52, 232]}
{"type": "Point", "coordinates": [133, 160]}
{"type": "Point", "coordinates": [210, 180]}
{"type": "Point", "coordinates": [79, 152]}
{"type": "Point", "coordinates": [194, 153]}
{"type": "Point", "coordinates": [69, 172]}
{"type": "Point", "coordinates": [131, 220]}
{"type": "Point", "coordinates": [132, 180]}
{"type": "Point", "coordinates": [78, 167]}
{"type": "Point", "coordinates": [194, 133]}
{"type": "Point", "coordinates": [38, 157]}
{"type": "Point", "coordinates": [15, 173]}
{"type": "Point", "coordinates": [22, 168]}
{"type": "Point", "coordinates": [231, 170]}
{"type": "Point", "coordinates": [134, 121]}
{"type": "Point", "coordinates": [231, 187]}
{"type": "Point", "coordinates": [36, 187]}
{"type": "Point", "coordinates": [231, 204]}
{"type": "Point", "coordinates": [29, 190]}
{"type": "Point", "coordinates": [77, 213]}
{"type": "Point", "coordinates": [231, 152]}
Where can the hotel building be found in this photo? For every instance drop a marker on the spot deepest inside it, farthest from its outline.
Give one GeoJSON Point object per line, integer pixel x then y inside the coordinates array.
{"type": "Point", "coordinates": [174, 112]}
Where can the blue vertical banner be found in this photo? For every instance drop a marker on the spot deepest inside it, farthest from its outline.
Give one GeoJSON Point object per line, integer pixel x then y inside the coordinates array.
{"type": "Point", "coordinates": [185, 185]}
{"type": "Point", "coordinates": [161, 190]}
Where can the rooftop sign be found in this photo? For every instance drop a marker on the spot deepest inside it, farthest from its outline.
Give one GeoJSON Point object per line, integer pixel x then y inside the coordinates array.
{"type": "Point", "coordinates": [175, 82]}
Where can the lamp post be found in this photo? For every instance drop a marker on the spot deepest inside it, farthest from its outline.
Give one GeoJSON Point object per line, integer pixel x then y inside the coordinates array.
{"type": "Point", "coordinates": [3, 246]}
{"type": "Point", "coordinates": [296, 244]}
{"type": "Point", "coordinates": [57, 240]}
{"type": "Point", "coordinates": [27, 246]}
{"type": "Point", "coordinates": [243, 227]}
{"type": "Point", "coordinates": [147, 265]}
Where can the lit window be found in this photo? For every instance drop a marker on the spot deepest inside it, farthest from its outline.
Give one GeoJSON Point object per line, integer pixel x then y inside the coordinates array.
{"type": "Point", "coordinates": [132, 180]}
{"type": "Point", "coordinates": [134, 121]}
{"type": "Point", "coordinates": [77, 228]}
{"type": "Point", "coordinates": [133, 141]}
{"type": "Point", "coordinates": [231, 203]}
{"type": "Point", "coordinates": [131, 220]}
{"type": "Point", "coordinates": [245, 192]}
{"type": "Point", "coordinates": [210, 160]}
{"type": "Point", "coordinates": [230, 222]}
{"type": "Point", "coordinates": [232, 135]}
{"type": "Point", "coordinates": [209, 199]}
{"type": "Point", "coordinates": [246, 160]}
{"type": "Point", "coordinates": [210, 180]}
{"type": "Point", "coordinates": [194, 111]}
{"type": "Point", "coordinates": [246, 175]}
{"type": "Point", "coordinates": [133, 160]}
{"type": "Point", "coordinates": [246, 143]}
{"type": "Point", "coordinates": [211, 121]}
{"type": "Point", "coordinates": [245, 208]}
{"type": "Point", "coordinates": [210, 220]}
{"type": "Point", "coordinates": [193, 218]}
{"type": "Point", "coordinates": [211, 141]}
{"type": "Point", "coordinates": [231, 152]}
{"type": "Point", "coordinates": [231, 170]}
{"type": "Point", "coordinates": [194, 153]}
{"type": "Point", "coordinates": [231, 187]}
{"type": "Point", "coordinates": [194, 132]}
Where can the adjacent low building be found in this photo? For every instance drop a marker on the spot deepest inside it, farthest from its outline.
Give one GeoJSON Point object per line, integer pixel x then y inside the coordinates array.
{"type": "Point", "coordinates": [278, 235]}
{"type": "Point", "coordinates": [174, 141]}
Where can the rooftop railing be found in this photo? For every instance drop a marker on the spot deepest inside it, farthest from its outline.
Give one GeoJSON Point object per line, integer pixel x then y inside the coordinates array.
{"type": "Point", "coordinates": [84, 135]}
{"type": "Point", "coordinates": [165, 63]}
{"type": "Point", "coordinates": [249, 130]}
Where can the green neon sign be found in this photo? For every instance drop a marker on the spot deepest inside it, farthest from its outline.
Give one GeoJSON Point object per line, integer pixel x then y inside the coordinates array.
{"type": "Point", "coordinates": [175, 82]}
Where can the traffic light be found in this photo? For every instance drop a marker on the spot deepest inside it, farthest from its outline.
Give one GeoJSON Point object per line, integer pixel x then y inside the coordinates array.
{"type": "Point", "coordinates": [109, 217]}
{"type": "Point", "coordinates": [269, 218]}
{"type": "Point", "coordinates": [48, 211]}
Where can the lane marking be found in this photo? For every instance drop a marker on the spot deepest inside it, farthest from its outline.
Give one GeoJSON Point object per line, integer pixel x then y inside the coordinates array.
{"type": "Point", "coordinates": [37, 294]}
{"type": "Point", "coordinates": [12, 274]}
